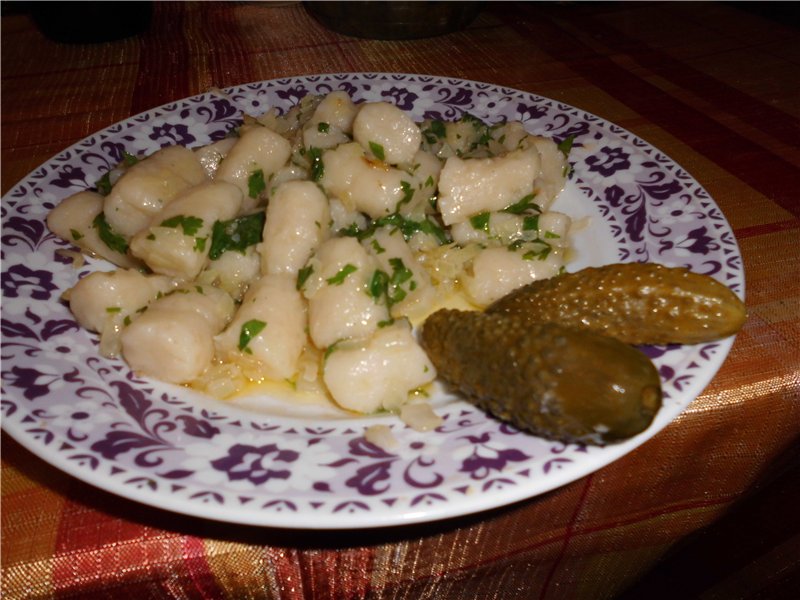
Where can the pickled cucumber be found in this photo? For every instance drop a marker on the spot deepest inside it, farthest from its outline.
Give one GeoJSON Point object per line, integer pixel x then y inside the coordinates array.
{"type": "Point", "coordinates": [637, 303]}
{"type": "Point", "coordinates": [554, 381]}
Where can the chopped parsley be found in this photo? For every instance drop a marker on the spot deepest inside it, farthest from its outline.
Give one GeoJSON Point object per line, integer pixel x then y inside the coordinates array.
{"type": "Point", "coordinates": [378, 284]}
{"type": "Point", "coordinates": [330, 350]}
{"type": "Point", "coordinates": [76, 235]}
{"type": "Point", "coordinates": [407, 226]}
{"type": "Point", "coordinates": [480, 221]}
{"type": "Point", "coordinates": [530, 223]}
{"type": "Point", "coordinates": [435, 131]}
{"type": "Point", "coordinates": [103, 185]}
{"type": "Point", "coordinates": [249, 330]}
{"type": "Point", "coordinates": [482, 130]}
{"type": "Point", "coordinates": [339, 278]}
{"type": "Point", "coordinates": [317, 166]}
{"type": "Point", "coordinates": [539, 254]}
{"type": "Point", "coordinates": [236, 234]}
{"type": "Point", "coordinates": [190, 225]}
{"type": "Point", "coordinates": [392, 288]}
{"type": "Point", "coordinates": [377, 247]}
{"type": "Point", "coordinates": [522, 205]}
{"type": "Point", "coordinates": [256, 183]}
{"type": "Point", "coordinates": [323, 127]}
{"type": "Point", "coordinates": [408, 194]}
{"type": "Point", "coordinates": [565, 145]}
{"type": "Point", "coordinates": [303, 275]}
{"type": "Point", "coordinates": [108, 236]}
{"type": "Point", "coordinates": [377, 150]}
{"type": "Point", "coordinates": [129, 159]}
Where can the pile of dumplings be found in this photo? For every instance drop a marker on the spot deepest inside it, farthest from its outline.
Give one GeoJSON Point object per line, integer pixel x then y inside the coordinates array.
{"type": "Point", "coordinates": [305, 246]}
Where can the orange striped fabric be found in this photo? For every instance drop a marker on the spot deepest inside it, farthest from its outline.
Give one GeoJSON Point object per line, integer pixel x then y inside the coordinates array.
{"type": "Point", "coordinates": [705, 509]}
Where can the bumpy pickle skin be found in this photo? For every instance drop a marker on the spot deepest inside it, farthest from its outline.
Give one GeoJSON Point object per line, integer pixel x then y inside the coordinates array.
{"type": "Point", "coordinates": [553, 381]}
{"type": "Point", "coordinates": [637, 303]}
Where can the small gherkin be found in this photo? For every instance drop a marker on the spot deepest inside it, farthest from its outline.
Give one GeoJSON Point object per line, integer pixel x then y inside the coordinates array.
{"type": "Point", "coordinates": [554, 381]}
{"type": "Point", "coordinates": [637, 303]}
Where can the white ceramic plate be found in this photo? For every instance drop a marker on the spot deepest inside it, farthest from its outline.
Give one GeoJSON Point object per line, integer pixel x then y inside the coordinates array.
{"type": "Point", "coordinates": [284, 466]}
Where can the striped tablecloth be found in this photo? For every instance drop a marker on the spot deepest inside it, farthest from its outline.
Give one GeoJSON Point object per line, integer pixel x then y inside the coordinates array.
{"type": "Point", "coordinates": [708, 508]}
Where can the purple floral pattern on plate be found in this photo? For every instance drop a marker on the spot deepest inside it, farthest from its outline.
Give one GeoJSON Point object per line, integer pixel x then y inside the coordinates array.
{"type": "Point", "coordinates": [172, 448]}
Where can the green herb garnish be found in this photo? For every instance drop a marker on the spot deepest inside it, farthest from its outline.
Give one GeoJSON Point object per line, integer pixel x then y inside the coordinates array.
{"type": "Point", "coordinates": [408, 227]}
{"type": "Point", "coordinates": [565, 145]}
{"type": "Point", "coordinates": [190, 225]}
{"type": "Point", "coordinates": [317, 166]}
{"type": "Point", "coordinates": [236, 234]}
{"type": "Point", "coordinates": [530, 223]}
{"type": "Point", "coordinates": [538, 254]}
{"type": "Point", "coordinates": [480, 221]}
{"type": "Point", "coordinates": [103, 184]}
{"type": "Point", "coordinates": [378, 284]}
{"type": "Point", "coordinates": [339, 278]}
{"type": "Point", "coordinates": [391, 287]}
{"type": "Point", "coordinates": [435, 131]}
{"type": "Point", "coordinates": [303, 275]}
{"type": "Point", "coordinates": [481, 128]}
{"type": "Point", "coordinates": [377, 247]}
{"type": "Point", "coordinates": [129, 159]}
{"type": "Point", "coordinates": [408, 193]}
{"type": "Point", "coordinates": [330, 350]}
{"type": "Point", "coordinates": [108, 236]}
{"type": "Point", "coordinates": [377, 151]}
{"type": "Point", "coordinates": [323, 127]}
{"type": "Point", "coordinates": [256, 183]}
{"type": "Point", "coordinates": [249, 330]}
{"type": "Point", "coordinates": [523, 204]}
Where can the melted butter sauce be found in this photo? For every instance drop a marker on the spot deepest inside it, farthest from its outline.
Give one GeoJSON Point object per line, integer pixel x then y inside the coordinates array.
{"type": "Point", "coordinates": [285, 399]}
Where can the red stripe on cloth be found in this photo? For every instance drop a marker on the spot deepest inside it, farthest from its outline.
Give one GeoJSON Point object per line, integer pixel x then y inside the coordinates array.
{"type": "Point", "coordinates": [567, 537]}
{"type": "Point", "coordinates": [766, 228]}
{"type": "Point", "coordinates": [285, 572]}
{"type": "Point", "coordinates": [572, 531]}
{"type": "Point", "coordinates": [346, 573]}
{"type": "Point", "coordinates": [766, 172]}
{"type": "Point", "coordinates": [96, 552]}
{"type": "Point", "coordinates": [200, 572]}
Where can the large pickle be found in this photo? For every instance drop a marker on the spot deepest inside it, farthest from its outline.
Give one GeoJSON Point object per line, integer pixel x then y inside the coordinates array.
{"type": "Point", "coordinates": [555, 381]}
{"type": "Point", "coordinates": [637, 303]}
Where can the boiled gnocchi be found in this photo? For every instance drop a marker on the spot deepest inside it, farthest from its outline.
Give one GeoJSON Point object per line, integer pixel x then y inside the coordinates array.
{"type": "Point", "coordinates": [306, 247]}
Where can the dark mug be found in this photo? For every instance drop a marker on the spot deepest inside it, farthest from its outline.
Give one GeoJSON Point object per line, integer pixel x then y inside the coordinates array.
{"type": "Point", "coordinates": [394, 20]}
{"type": "Point", "coordinates": [90, 22]}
